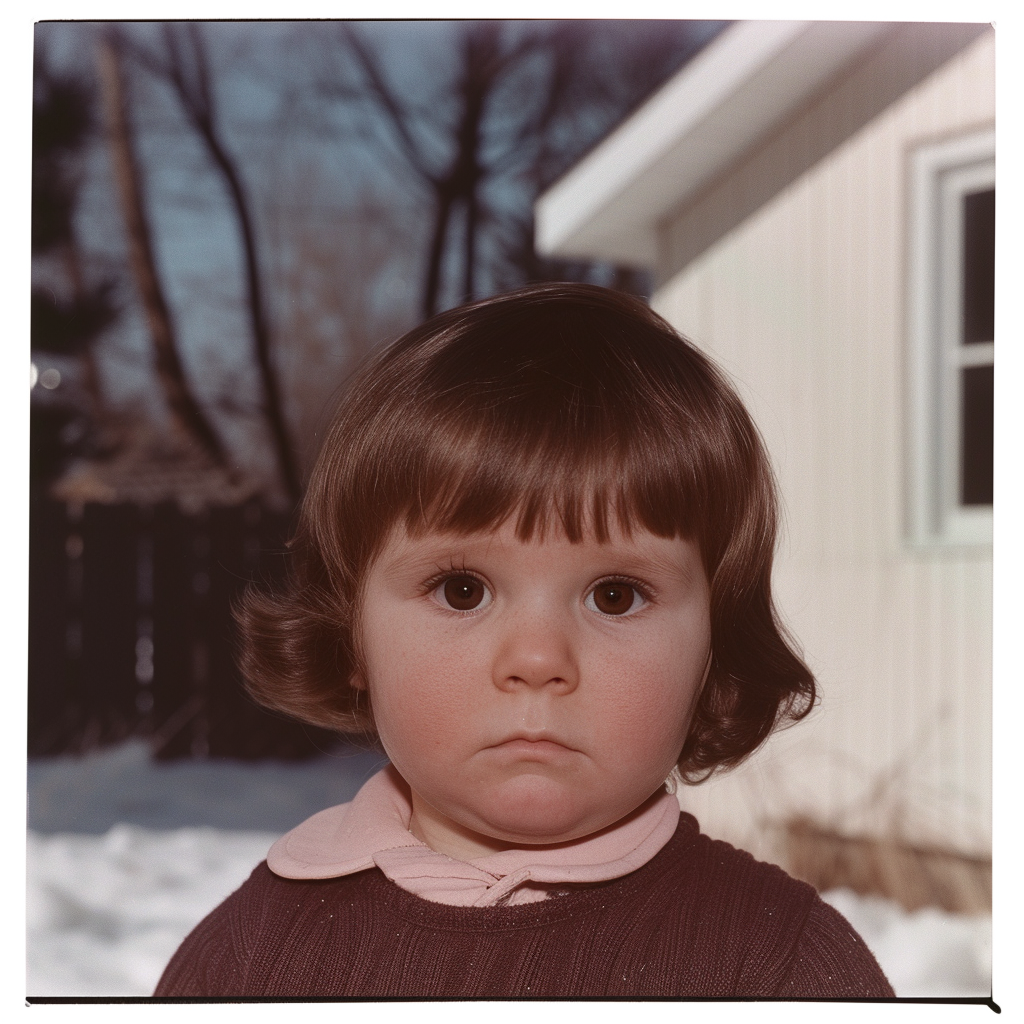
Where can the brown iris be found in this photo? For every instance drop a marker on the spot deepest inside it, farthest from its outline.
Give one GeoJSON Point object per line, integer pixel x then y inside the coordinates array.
{"type": "Point", "coordinates": [614, 598]}
{"type": "Point", "coordinates": [463, 593]}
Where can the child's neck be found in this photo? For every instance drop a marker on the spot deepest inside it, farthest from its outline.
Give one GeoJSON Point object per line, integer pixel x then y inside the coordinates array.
{"type": "Point", "coordinates": [450, 838]}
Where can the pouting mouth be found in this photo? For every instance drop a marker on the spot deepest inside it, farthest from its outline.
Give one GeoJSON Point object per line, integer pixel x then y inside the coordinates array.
{"type": "Point", "coordinates": [534, 741]}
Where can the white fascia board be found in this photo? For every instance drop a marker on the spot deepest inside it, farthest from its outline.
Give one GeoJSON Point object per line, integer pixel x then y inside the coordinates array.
{"type": "Point", "coordinates": [703, 119]}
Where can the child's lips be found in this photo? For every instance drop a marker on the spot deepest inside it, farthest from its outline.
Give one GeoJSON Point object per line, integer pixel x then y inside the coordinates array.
{"type": "Point", "coordinates": [542, 749]}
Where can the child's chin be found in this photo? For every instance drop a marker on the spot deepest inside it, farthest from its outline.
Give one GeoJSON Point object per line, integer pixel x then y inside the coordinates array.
{"type": "Point", "coordinates": [535, 809]}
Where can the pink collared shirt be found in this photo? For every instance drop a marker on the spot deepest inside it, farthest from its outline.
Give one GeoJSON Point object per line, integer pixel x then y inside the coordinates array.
{"type": "Point", "coordinates": [373, 831]}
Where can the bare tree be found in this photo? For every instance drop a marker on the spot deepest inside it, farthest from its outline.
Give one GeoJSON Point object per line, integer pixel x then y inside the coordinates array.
{"type": "Point", "coordinates": [184, 65]}
{"type": "Point", "coordinates": [185, 411]}
{"type": "Point", "coordinates": [73, 302]}
{"type": "Point", "coordinates": [525, 101]}
{"type": "Point", "coordinates": [482, 62]}
{"type": "Point", "coordinates": [497, 111]}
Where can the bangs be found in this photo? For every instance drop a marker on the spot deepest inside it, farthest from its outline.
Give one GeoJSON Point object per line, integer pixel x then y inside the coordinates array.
{"type": "Point", "coordinates": [548, 481]}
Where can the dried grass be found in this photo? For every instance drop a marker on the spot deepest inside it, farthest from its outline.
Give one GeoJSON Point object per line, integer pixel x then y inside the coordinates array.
{"type": "Point", "coordinates": [912, 876]}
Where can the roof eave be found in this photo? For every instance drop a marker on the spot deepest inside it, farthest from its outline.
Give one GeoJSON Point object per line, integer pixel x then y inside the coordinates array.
{"type": "Point", "coordinates": [732, 94]}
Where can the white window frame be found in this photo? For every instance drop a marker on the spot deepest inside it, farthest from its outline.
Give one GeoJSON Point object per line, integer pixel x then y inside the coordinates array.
{"type": "Point", "coordinates": [941, 174]}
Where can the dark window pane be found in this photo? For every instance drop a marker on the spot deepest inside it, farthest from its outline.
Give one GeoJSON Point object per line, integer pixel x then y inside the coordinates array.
{"type": "Point", "coordinates": [979, 266]}
{"type": "Point", "coordinates": [976, 465]}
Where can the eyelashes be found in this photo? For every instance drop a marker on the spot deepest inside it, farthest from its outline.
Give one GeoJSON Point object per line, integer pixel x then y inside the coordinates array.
{"type": "Point", "coordinates": [612, 597]}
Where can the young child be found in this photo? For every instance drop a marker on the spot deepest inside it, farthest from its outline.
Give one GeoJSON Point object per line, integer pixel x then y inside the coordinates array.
{"type": "Point", "coordinates": [534, 559]}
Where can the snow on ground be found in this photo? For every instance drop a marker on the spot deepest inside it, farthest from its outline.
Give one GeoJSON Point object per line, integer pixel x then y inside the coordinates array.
{"type": "Point", "coordinates": [126, 856]}
{"type": "Point", "coordinates": [105, 913]}
{"type": "Point", "coordinates": [924, 953]}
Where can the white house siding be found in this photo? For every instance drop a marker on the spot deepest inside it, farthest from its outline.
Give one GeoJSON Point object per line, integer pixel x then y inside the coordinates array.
{"type": "Point", "coordinates": [803, 304]}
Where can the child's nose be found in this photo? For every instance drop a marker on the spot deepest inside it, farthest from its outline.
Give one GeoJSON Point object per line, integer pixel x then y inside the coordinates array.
{"type": "Point", "coordinates": [536, 650]}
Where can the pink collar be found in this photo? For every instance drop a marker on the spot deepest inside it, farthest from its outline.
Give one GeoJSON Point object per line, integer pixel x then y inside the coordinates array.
{"type": "Point", "coordinates": [373, 831]}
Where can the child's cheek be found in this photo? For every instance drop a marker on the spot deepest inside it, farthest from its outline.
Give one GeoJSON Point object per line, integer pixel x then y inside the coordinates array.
{"type": "Point", "coordinates": [422, 693]}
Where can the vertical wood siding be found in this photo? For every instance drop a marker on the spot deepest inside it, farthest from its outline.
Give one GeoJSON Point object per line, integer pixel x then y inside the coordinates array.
{"type": "Point", "coordinates": [804, 304]}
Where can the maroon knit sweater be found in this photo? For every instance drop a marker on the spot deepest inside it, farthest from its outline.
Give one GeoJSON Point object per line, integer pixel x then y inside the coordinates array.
{"type": "Point", "coordinates": [699, 919]}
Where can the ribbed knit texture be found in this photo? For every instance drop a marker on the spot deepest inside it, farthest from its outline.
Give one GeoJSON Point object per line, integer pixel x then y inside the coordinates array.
{"type": "Point", "coordinates": [699, 919]}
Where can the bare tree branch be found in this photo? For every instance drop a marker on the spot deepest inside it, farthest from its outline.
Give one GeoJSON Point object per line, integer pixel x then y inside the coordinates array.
{"type": "Point", "coordinates": [185, 411]}
{"type": "Point", "coordinates": [195, 95]}
{"type": "Point", "coordinates": [398, 117]}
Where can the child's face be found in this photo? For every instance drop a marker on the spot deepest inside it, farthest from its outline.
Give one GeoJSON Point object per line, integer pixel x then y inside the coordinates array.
{"type": "Point", "coordinates": [532, 692]}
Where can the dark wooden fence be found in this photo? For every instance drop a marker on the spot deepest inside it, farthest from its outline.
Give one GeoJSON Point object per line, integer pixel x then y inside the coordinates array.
{"type": "Point", "coordinates": [131, 634]}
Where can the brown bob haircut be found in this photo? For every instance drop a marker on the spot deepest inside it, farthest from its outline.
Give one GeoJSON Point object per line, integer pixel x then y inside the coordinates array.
{"type": "Point", "coordinates": [562, 407]}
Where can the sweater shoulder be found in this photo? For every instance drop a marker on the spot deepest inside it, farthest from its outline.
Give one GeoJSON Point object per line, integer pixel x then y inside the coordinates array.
{"type": "Point", "coordinates": [782, 938]}
{"type": "Point", "coordinates": [833, 961]}
{"type": "Point", "coordinates": [727, 877]}
{"type": "Point", "coordinates": [214, 957]}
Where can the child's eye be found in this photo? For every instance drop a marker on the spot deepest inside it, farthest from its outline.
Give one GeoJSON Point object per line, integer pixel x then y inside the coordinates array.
{"type": "Point", "coordinates": [615, 597]}
{"type": "Point", "coordinates": [463, 593]}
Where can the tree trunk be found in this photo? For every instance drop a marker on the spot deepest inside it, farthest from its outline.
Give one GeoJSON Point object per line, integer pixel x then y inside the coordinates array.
{"type": "Point", "coordinates": [186, 414]}
{"type": "Point", "coordinates": [202, 118]}
{"type": "Point", "coordinates": [273, 406]}
{"type": "Point", "coordinates": [432, 280]}
{"type": "Point", "coordinates": [469, 268]}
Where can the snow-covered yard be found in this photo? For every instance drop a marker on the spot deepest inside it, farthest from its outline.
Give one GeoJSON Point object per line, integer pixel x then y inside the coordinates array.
{"type": "Point", "coordinates": [125, 856]}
